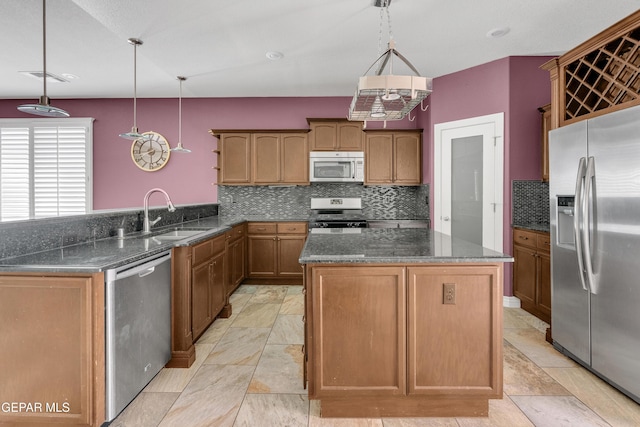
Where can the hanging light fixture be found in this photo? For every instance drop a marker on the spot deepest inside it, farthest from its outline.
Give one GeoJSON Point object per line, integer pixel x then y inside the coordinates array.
{"type": "Point", "coordinates": [388, 96]}
{"type": "Point", "coordinates": [180, 148]}
{"type": "Point", "coordinates": [43, 108]}
{"type": "Point", "coordinates": [134, 134]}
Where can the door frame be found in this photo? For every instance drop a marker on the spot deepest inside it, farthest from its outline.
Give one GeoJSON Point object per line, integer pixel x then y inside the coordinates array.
{"type": "Point", "coordinates": [498, 177]}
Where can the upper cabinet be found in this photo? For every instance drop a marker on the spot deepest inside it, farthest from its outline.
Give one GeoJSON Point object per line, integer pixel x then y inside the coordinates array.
{"type": "Point", "coordinates": [393, 157]}
{"type": "Point", "coordinates": [335, 135]}
{"type": "Point", "coordinates": [546, 127]}
{"type": "Point", "coordinates": [598, 76]}
{"type": "Point", "coordinates": [262, 157]}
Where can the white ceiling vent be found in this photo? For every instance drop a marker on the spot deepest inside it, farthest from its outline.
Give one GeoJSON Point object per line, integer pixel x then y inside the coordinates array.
{"type": "Point", "coordinates": [51, 78]}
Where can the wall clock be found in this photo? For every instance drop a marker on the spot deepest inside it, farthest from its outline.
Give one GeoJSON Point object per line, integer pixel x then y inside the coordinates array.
{"type": "Point", "coordinates": [151, 153]}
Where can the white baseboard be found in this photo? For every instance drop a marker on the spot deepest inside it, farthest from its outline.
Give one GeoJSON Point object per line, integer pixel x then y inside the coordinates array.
{"type": "Point", "coordinates": [510, 302]}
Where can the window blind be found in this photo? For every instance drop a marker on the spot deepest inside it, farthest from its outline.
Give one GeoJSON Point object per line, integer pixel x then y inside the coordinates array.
{"type": "Point", "coordinates": [45, 168]}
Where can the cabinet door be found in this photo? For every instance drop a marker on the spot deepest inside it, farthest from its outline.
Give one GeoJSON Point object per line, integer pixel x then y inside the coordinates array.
{"type": "Point", "coordinates": [359, 331]}
{"type": "Point", "coordinates": [235, 159]}
{"type": "Point", "coordinates": [262, 256]}
{"type": "Point", "coordinates": [266, 158]}
{"type": "Point", "coordinates": [217, 284]}
{"type": "Point", "coordinates": [379, 158]}
{"type": "Point", "coordinates": [544, 286]}
{"type": "Point", "coordinates": [408, 158]}
{"type": "Point", "coordinates": [324, 136]}
{"type": "Point", "coordinates": [294, 159]}
{"type": "Point", "coordinates": [350, 136]}
{"type": "Point", "coordinates": [289, 249]}
{"type": "Point", "coordinates": [524, 275]}
{"type": "Point", "coordinates": [201, 316]}
{"type": "Point", "coordinates": [455, 348]}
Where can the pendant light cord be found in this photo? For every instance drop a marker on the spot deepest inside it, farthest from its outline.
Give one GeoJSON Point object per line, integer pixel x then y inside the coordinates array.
{"type": "Point", "coordinates": [180, 113]}
{"type": "Point", "coordinates": [44, 45]}
{"type": "Point", "coordinates": [135, 107]}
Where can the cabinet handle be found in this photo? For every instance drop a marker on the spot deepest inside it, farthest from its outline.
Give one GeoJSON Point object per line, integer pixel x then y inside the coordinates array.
{"type": "Point", "coordinates": [215, 151]}
{"type": "Point", "coordinates": [523, 238]}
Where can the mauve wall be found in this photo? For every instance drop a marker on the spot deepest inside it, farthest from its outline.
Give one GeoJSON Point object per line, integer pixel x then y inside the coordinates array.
{"type": "Point", "coordinates": [188, 178]}
{"type": "Point", "coordinates": [515, 86]}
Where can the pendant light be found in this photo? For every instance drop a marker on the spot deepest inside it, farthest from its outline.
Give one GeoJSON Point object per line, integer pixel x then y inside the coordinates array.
{"type": "Point", "coordinates": [134, 134]}
{"type": "Point", "coordinates": [43, 108]}
{"type": "Point", "coordinates": [180, 148]}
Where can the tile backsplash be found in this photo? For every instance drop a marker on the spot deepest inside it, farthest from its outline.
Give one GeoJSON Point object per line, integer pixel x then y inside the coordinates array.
{"type": "Point", "coordinates": [380, 202]}
{"type": "Point", "coordinates": [530, 202]}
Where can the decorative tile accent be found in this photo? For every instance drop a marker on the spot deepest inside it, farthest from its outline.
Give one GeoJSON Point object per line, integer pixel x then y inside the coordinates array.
{"type": "Point", "coordinates": [530, 202]}
{"type": "Point", "coordinates": [379, 202]}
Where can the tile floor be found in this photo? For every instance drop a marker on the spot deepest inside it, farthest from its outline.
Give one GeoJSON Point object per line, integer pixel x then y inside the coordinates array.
{"type": "Point", "coordinates": [248, 372]}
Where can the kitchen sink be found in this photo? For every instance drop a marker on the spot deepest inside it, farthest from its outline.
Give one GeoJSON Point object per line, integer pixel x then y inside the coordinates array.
{"type": "Point", "coordinates": [177, 234]}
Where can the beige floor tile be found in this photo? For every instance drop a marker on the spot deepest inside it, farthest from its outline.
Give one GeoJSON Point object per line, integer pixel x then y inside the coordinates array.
{"type": "Point", "coordinates": [212, 398]}
{"type": "Point", "coordinates": [269, 294]}
{"type": "Point", "coordinates": [558, 411]}
{"type": "Point", "coordinates": [420, 422]}
{"type": "Point", "coordinates": [532, 343]}
{"type": "Point", "coordinates": [176, 379]}
{"type": "Point", "coordinates": [502, 413]}
{"type": "Point", "coordinates": [246, 289]}
{"type": "Point", "coordinates": [239, 346]}
{"type": "Point", "coordinates": [294, 289]}
{"type": "Point", "coordinates": [260, 315]}
{"type": "Point", "coordinates": [523, 377]}
{"type": "Point", "coordinates": [316, 421]}
{"type": "Point", "coordinates": [513, 319]}
{"type": "Point", "coordinates": [146, 410]}
{"type": "Point", "coordinates": [288, 329]}
{"type": "Point", "coordinates": [293, 304]}
{"type": "Point", "coordinates": [279, 370]}
{"type": "Point", "coordinates": [610, 404]}
{"type": "Point", "coordinates": [291, 410]}
{"type": "Point", "coordinates": [238, 301]}
{"type": "Point", "coordinates": [216, 331]}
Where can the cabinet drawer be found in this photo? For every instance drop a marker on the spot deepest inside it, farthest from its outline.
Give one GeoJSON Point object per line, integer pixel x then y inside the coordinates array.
{"type": "Point", "coordinates": [202, 252]}
{"type": "Point", "coordinates": [292, 228]}
{"type": "Point", "coordinates": [262, 228]}
{"type": "Point", "coordinates": [544, 241]}
{"type": "Point", "coordinates": [525, 238]}
{"type": "Point", "coordinates": [237, 232]}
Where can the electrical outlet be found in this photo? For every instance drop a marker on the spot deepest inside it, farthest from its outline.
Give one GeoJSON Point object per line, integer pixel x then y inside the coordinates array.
{"type": "Point", "coordinates": [448, 293]}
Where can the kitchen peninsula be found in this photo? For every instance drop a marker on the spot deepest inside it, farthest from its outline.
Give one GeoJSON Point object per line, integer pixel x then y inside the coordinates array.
{"type": "Point", "coordinates": [402, 323]}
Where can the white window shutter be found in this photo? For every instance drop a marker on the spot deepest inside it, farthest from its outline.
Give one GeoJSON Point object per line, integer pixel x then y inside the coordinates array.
{"type": "Point", "coordinates": [14, 173]}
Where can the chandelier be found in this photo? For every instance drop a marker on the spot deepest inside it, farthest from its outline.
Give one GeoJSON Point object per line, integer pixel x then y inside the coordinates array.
{"type": "Point", "coordinates": [388, 96]}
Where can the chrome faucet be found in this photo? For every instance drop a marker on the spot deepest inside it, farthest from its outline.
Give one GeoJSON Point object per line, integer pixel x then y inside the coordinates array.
{"type": "Point", "coordinates": [146, 225]}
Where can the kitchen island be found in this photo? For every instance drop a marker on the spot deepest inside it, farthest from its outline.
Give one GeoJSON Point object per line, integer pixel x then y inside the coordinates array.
{"type": "Point", "coordinates": [402, 323]}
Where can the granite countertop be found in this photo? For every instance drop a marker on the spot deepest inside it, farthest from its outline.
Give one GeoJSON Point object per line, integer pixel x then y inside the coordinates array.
{"type": "Point", "coordinates": [394, 245]}
{"type": "Point", "coordinates": [533, 226]}
{"type": "Point", "coordinates": [104, 254]}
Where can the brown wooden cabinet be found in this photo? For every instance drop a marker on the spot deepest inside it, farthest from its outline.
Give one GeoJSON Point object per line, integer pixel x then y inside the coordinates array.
{"type": "Point", "coordinates": [546, 127]}
{"type": "Point", "coordinates": [381, 340]}
{"type": "Point", "coordinates": [236, 257]}
{"type": "Point", "coordinates": [335, 135]}
{"type": "Point", "coordinates": [262, 157]}
{"type": "Point", "coordinates": [393, 157]}
{"type": "Point", "coordinates": [532, 272]}
{"type": "Point", "coordinates": [52, 349]}
{"type": "Point", "coordinates": [234, 158]}
{"type": "Point", "coordinates": [273, 249]}
{"type": "Point", "coordinates": [280, 158]}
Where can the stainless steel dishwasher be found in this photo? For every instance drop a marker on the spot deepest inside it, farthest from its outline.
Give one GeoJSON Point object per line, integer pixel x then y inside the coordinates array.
{"type": "Point", "coordinates": [138, 328]}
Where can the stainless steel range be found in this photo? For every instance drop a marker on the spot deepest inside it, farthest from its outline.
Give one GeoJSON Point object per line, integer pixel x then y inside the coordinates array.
{"type": "Point", "coordinates": [336, 214]}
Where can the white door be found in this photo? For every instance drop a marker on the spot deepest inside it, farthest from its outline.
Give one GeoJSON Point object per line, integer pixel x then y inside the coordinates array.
{"type": "Point", "coordinates": [468, 179]}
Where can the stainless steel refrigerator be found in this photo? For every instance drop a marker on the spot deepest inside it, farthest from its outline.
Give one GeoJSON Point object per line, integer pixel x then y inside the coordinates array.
{"type": "Point", "coordinates": [594, 189]}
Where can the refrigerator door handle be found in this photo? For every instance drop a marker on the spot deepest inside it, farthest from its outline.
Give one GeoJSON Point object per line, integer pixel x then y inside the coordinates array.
{"type": "Point", "coordinates": [589, 194]}
{"type": "Point", "coordinates": [577, 219]}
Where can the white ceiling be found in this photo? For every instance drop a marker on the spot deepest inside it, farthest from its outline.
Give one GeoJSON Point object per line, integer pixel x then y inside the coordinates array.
{"type": "Point", "coordinates": [220, 46]}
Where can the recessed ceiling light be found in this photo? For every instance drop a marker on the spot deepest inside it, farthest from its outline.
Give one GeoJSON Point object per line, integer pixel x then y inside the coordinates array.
{"type": "Point", "coordinates": [497, 32]}
{"type": "Point", "coordinates": [274, 55]}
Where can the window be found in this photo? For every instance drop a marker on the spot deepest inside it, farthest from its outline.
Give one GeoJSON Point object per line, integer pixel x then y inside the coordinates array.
{"type": "Point", "coordinates": [45, 167]}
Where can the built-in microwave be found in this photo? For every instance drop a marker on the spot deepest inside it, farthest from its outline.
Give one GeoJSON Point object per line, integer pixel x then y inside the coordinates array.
{"type": "Point", "coordinates": [336, 166]}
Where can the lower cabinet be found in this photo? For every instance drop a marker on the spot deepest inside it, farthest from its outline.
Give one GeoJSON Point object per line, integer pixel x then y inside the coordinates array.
{"type": "Point", "coordinates": [52, 349]}
{"type": "Point", "coordinates": [198, 295]}
{"type": "Point", "coordinates": [388, 337]}
{"type": "Point", "coordinates": [236, 257]}
{"type": "Point", "coordinates": [273, 249]}
{"type": "Point", "coordinates": [532, 272]}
